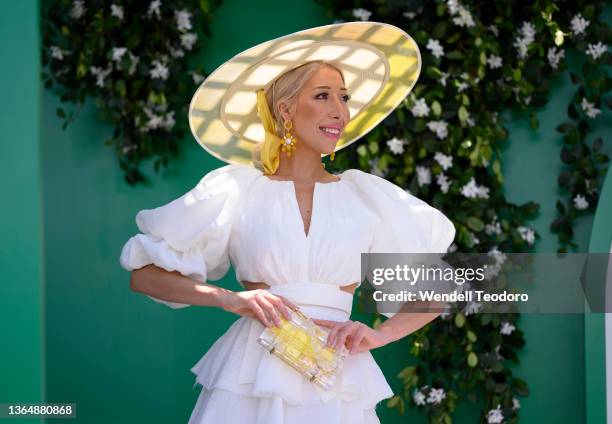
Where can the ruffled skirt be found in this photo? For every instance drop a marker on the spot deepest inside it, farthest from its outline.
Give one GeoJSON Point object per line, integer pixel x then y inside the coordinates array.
{"type": "Point", "coordinates": [242, 382]}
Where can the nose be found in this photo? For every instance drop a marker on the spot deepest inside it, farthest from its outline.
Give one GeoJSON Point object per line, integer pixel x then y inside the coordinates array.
{"type": "Point", "coordinates": [335, 111]}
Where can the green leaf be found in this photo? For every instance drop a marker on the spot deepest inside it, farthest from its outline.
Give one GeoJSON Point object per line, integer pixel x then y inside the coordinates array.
{"type": "Point", "coordinates": [472, 359]}
{"type": "Point", "coordinates": [565, 127]}
{"type": "Point", "coordinates": [475, 224]}
{"type": "Point", "coordinates": [436, 108]}
{"type": "Point", "coordinates": [459, 320]}
{"type": "Point", "coordinates": [516, 74]}
{"type": "Point", "coordinates": [463, 114]}
{"type": "Point", "coordinates": [439, 30]}
{"type": "Point", "coordinates": [393, 401]}
{"type": "Point", "coordinates": [455, 55]}
{"type": "Point", "coordinates": [497, 171]}
{"type": "Point", "coordinates": [471, 336]}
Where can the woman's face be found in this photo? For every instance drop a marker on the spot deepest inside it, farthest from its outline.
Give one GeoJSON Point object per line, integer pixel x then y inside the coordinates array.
{"type": "Point", "coordinates": [320, 112]}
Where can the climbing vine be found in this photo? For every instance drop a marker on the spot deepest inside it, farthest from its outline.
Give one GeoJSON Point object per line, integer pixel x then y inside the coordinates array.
{"type": "Point", "coordinates": [131, 59]}
{"type": "Point", "coordinates": [443, 145]}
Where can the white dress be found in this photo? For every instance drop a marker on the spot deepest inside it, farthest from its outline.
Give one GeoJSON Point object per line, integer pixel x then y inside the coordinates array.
{"type": "Point", "coordinates": [236, 214]}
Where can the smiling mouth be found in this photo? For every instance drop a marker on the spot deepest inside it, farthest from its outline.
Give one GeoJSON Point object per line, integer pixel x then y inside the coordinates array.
{"type": "Point", "coordinates": [333, 133]}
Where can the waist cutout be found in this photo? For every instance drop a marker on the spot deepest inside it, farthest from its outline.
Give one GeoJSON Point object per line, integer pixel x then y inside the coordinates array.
{"type": "Point", "coordinates": [315, 294]}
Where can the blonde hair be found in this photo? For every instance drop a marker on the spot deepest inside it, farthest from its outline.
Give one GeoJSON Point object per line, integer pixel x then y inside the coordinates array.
{"type": "Point", "coordinates": [285, 88]}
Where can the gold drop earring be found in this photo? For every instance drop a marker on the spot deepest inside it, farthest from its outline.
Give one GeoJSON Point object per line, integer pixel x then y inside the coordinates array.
{"type": "Point", "coordinates": [289, 141]}
{"type": "Point", "coordinates": [331, 157]}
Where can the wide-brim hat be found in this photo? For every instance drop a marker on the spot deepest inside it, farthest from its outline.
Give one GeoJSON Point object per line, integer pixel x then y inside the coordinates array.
{"type": "Point", "coordinates": [380, 62]}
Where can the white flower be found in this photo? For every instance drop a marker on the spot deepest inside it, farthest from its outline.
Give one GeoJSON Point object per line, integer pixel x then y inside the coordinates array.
{"type": "Point", "coordinates": [159, 70]}
{"type": "Point", "coordinates": [197, 78]}
{"type": "Point", "coordinates": [578, 24]}
{"type": "Point", "coordinates": [423, 175]}
{"type": "Point", "coordinates": [589, 108]}
{"type": "Point", "coordinates": [443, 78]}
{"type": "Point", "coordinates": [117, 11]}
{"type": "Point", "coordinates": [418, 397]}
{"type": "Point", "coordinates": [525, 38]}
{"type": "Point", "coordinates": [515, 403]}
{"type": "Point", "coordinates": [596, 50]}
{"type": "Point", "coordinates": [100, 74]}
{"type": "Point", "coordinates": [133, 62]}
{"type": "Point", "coordinates": [118, 53]}
{"type": "Point", "coordinates": [473, 190]}
{"type": "Point", "coordinates": [362, 14]}
{"type": "Point", "coordinates": [435, 47]}
{"type": "Point", "coordinates": [443, 182]}
{"type": "Point", "coordinates": [506, 328]}
{"type": "Point", "coordinates": [461, 86]}
{"type": "Point", "coordinates": [420, 108]}
{"type": "Point", "coordinates": [188, 40]}
{"type": "Point", "coordinates": [183, 20]}
{"type": "Point", "coordinates": [409, 15]}
{"type": "Point", "coordinates": [453, 6]}
{"type": "Point", "coordinates": [554, 56]}
{"type": "Point", "coordinates": [475, 240]}
{"type": "Point", "coordinates": [436, 395]}
{"type": "Point", "coordinates": [580, 202]}
{"type": "Point", "coordinates": [470, 121]}
{"type": "Point", "coordinates": [154, 8]}
{"type": "Point", "coordinates": [445, 161]}
{"type": "Point", "coordinates": [464, 19]}
{"type": "Point", "coordinates": [175, 52]}
{"type": "Point", "coordinates": [527, 234]}
{"type": "Point", "coordinates": [396, 145]}
{"type": "Point", "coordinates": [494, 61]}
{"type": "Point", "coordinates": [472, 308]}
{"type": "Point", "coordinates": [439, 127]}
{"type": "Point", "coordinates": [77, 9]}
{"type": "Point", "coordinates": [169, 122]}
{"type": "Point", "coordinates": [58, 53]}
{"type": "Point", "coordinates": [494, 227]}
{"type": "Point", "coordinates": [495, 416]}
{"type": "Point", "coordinates": [494, 30]}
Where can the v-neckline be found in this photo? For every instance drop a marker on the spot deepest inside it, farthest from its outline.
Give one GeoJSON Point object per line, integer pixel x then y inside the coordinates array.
{"type": "Point", "coordinates": [296, 205]}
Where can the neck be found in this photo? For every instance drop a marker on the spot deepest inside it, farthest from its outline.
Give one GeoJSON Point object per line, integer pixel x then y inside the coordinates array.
{"type": "Point", "coordinates": [304, 164]}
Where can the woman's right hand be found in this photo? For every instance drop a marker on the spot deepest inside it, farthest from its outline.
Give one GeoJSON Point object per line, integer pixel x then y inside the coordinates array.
{"type": "Point", "coordinates": [259, 304]}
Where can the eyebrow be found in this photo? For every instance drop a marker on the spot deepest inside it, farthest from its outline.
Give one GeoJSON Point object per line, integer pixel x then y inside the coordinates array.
{"type": "Point", "coordinates": [329, 88]}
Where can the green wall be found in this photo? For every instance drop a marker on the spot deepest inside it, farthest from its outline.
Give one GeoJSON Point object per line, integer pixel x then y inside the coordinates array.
{"type": "Point", "coordinates": [122, 357]}
{"type": "Point", "coordinates": [21, 256]}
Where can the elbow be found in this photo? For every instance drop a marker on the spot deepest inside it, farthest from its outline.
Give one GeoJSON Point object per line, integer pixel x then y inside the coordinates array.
{"type": "Point", "coordinates": [137, 279]}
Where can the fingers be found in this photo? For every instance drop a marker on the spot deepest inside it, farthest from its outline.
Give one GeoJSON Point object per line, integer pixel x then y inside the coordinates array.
{"type": "Point", "coordinates": [270, 309]}
{"type": "Point", "coordinates": [259, 313]}
{"type": "Point", "coordinates": [357, 338]}
{"type": "Point", "coordinates": [342, 334]}
{"type": "Point", "coordinates": [283, 305]}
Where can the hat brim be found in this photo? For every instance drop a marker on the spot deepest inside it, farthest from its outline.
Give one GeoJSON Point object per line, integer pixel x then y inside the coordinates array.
{"type": "Point", "coordinates": [380, 62]}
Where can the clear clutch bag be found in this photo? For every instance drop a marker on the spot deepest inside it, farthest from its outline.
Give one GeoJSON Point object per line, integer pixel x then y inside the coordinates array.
{"type": "Point", "coordinates": [301, 343]}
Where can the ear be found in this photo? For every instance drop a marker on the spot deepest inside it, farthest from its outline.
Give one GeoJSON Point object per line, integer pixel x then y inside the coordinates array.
{"type": "Point", "coordinates": [285, 111]}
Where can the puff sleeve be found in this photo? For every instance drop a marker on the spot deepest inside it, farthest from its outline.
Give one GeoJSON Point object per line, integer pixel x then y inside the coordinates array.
{"type": "Point", "coordinates": [405, 223]}
{"type": "Point", "coordinates": [191, 233]}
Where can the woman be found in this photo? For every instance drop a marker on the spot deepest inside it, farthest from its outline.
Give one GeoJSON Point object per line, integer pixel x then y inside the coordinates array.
{"type": "Point", "coordinates": [294, 233]}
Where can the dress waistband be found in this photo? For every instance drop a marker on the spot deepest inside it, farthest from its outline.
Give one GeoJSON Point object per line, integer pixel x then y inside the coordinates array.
{"type": "Point", "coordinates": [316, 294]}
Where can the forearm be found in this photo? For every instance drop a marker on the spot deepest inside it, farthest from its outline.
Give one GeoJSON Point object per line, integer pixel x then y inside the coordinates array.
{"type": "Point", "coordinates": [405, 322]}
{"type": "Point", "coordinates": [175, 287]}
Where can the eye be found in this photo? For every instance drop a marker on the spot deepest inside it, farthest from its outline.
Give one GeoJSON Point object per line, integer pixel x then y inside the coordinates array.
{"type": "Point", "coordinates": [346, 97]}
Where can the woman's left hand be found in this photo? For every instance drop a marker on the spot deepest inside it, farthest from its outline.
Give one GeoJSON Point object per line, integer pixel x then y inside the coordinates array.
{"type": "Point", "coordinates": [355, 335]}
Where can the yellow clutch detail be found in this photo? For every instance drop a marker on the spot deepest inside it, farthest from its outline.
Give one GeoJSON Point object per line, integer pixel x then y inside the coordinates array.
{"type": "Point", "coordinates": [301, 344]}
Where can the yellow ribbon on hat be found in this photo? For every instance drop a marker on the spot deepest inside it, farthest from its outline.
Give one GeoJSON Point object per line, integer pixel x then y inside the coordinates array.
{"type": "Point", "coordinates": [270, 152]}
